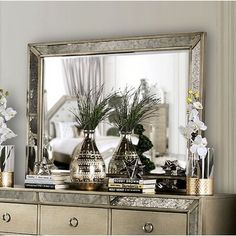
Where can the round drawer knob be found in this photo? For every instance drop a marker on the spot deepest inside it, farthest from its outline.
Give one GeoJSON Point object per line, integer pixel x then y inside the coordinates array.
{"type": "Point", "coordinates": [6, 217]}
{"type": "Point", "coordinates": [73, 222]}
{"type": "Point", "coordinates": [148, 227]}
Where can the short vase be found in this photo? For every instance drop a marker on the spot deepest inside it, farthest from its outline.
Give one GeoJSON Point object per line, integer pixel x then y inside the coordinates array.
{"type": "Point", "coordinates": [7, 155]}
{"type": "Point", "coordinates": [87, 168]}
{"type": "Point", "coordinates": [199, 173]}
{"type": "Point", "coordinates": [125, 160]}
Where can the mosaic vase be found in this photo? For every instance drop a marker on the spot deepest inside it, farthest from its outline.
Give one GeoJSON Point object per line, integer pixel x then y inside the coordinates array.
{"type": "Point", "coordinates": [125, 161]}
{"type": "Point", "coordinates": [87, 168]}
{"type": "Point", "coordinates": [199, 173]}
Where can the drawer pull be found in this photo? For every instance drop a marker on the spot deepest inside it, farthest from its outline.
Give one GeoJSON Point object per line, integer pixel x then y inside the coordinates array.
{"type": "Point", "coordinates": [148, 227]}
{"type": "Point", "coordinates": [6, 217]}
{"type": "Point", "coordinates": [73, 222]}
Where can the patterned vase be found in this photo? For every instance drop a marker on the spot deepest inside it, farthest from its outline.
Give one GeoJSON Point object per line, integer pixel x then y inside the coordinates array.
{"type": "Point", "coordinates": [7, 155]}
{"type": "Point", "coordinates": [87, 168]}
{"type": "Point", "coordinates": [199, 173]}
{"type": "Point", "coordinates": [125, 161]}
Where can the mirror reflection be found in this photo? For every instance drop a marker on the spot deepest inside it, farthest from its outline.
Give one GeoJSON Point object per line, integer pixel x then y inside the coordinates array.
{"type": "Point", "coordinates": [164, 74]}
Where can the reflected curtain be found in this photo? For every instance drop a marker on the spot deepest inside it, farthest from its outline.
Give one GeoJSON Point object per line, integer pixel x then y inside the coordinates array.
{"type": "Point", "coordinates": [82, 74]}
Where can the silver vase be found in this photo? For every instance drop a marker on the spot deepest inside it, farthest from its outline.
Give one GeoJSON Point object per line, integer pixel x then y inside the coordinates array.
{"type": "Point", "coordinates": [87, 168]}
{"type": "Point", "coordinates": [125, 160]}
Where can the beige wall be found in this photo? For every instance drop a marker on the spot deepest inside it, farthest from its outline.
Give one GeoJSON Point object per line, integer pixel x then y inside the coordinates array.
{"type": "Point", "coordinates": [25, 22]}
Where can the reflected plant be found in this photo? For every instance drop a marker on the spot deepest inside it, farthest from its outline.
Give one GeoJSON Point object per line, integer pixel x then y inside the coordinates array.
{"type": "Point", "coordinates": [131, 108]}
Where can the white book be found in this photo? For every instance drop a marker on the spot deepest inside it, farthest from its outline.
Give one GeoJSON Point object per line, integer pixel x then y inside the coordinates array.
{"type": "Point", "coordinates": [53, 177]}
{"type": "Point", "coordinates": [43, 181]}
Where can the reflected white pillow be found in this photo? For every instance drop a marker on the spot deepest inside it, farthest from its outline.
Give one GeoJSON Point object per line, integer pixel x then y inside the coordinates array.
{"type": "Point", "coordinates": [65, 129]}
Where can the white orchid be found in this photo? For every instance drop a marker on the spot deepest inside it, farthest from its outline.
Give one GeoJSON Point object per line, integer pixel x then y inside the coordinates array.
{"type": "Point", "coordinates": [199, 146]}
{"type": "Point", "coordinates": [197, 105]}
{"type": "Point", "coordinates": [193, 114]}
{"type": "Point", "coordinates": [3, 103]}
{"type": "Point", "coordinates": [199, 125]}
{"type": "Point", "coordinates": [8, 113]}
{"type": "Point", "coordinates": [188, 130]}
{"type": "Point", "coordinates": [195, 126]}
{"type": "Point", "coordinates": [5, 115]}
{"type": "Point", "coordinates": [6, 133]}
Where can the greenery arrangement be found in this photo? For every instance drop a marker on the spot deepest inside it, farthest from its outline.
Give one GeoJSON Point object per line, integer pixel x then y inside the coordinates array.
{"type": "Point", "coordinates": [93, 107]}
{"type": "Point", "coordinates": [131, 108]}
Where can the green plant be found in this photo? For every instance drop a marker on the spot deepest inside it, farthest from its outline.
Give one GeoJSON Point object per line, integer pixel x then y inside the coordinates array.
{"type": "Point", "coordinates": [92, 108]}
{"type": "Point", "coordinates": [131, 108]}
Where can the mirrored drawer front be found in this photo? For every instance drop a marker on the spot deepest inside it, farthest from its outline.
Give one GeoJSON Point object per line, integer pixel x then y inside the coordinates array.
{"type": "Point", "coordinates": [18, 218]}
{"type": "Point", "coordinates": [144, 222]}
{"type": "Point", "coordinates": [73, 220]}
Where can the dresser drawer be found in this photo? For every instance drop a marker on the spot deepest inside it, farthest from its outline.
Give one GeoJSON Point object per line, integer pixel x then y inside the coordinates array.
{"type": "Point", "coordinates": [73, 220]}
{"type": "Point", "coordinates": [18, 218]}
{"type": "Point", "coordinates": [145, 222]}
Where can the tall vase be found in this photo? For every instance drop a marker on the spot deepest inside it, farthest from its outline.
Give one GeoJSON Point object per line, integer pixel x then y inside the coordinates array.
{"type": "Point", "coordinates": [125, 160]}
{"type": "Point", "coordinates": [87, 168]}
{"type": "Point", "coordinates": [7, 155]}
{"type": "Point", "coordinates": [199, 174]}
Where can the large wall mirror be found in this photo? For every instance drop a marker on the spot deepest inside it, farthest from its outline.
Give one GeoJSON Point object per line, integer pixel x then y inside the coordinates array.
{"type": "Point", "coordinates": [165, 65]}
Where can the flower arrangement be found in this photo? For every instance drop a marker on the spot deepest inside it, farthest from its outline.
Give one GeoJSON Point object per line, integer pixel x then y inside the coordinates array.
{"type": "Point", "coordinates": [192, 132]}
{"type": "Point", "coordinates": [5, 115]}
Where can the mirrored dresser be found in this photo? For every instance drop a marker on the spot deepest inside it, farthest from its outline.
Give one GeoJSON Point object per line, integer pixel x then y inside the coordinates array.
{"type": "Point", "coordinates": [70, 212]}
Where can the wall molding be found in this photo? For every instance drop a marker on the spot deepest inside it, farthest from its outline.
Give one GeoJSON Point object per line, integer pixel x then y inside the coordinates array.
{"type": "Point", "coordinates": [226, 99]}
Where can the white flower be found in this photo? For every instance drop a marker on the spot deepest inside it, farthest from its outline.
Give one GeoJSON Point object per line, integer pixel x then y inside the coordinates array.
{"type": "Point", "coordinates": [5, 115]}
{"type": "Point", "coordinates": [199, 146]}
{"type": "Point", "coordinates": [3, 104]}
{"type": "Point", "coordinates": [6, 133]}
{"type": "Point", "coordinates": [188, 130]}
{"type": "Point", "coordinates": [2, 123]}
{"type": "Point", "coordinates": [193, 114]}
{"type": "Point", "coordinates": [8, 113]}
{"type": "Point", "coordinates": [199, 124]}
{"type": "Point", "coordinates": [197, 105]}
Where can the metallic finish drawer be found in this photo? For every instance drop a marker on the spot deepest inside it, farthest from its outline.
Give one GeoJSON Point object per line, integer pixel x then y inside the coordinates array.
{"type": "Point", "coordinates": [18, 218]}
{"type": "Point", "coordinates": [73, 220]}
{"type": "Point", "coordinates": [129, 222]}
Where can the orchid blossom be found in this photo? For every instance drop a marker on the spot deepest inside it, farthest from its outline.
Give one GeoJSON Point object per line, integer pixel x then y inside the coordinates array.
{"type": "Point", "coordinates": [195, 126]}
{"type": "Point", "coordinates": [5, 115]}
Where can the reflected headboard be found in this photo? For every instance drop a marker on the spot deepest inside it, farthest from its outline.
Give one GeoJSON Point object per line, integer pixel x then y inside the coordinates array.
{"type": "Point", "coordinates": [60, 112]}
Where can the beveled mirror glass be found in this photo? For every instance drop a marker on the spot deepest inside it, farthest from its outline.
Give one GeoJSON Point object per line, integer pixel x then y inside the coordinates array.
{"type": "Point", "coordinates": [166, 65]}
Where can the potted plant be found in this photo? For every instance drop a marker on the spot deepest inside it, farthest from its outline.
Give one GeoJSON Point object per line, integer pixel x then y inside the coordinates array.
{"type": "Point", "coordinates": [6, 151]}
{"type": "Point", "coordinates": [87, 167]}
{"type": "Point", "coordinates": [131, 107]}
{"type": "Point", "coordinates": [199, 170]}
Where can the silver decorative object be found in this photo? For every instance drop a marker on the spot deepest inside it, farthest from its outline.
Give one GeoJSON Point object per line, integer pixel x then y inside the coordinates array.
{"type": "Point", "coordinates": [87, 168]}
{"type": "Point", "coordinates": [125, 160]}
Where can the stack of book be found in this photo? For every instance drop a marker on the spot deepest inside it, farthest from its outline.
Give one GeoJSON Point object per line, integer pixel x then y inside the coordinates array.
{"type": "Point", "coordinates": [46, 181]}
{"type": "Point", "coordinates": [132, 185]}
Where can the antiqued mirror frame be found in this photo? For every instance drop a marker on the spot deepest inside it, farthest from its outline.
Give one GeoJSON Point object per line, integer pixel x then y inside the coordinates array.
{"type": "Point", "coordinates": [194, 42]}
